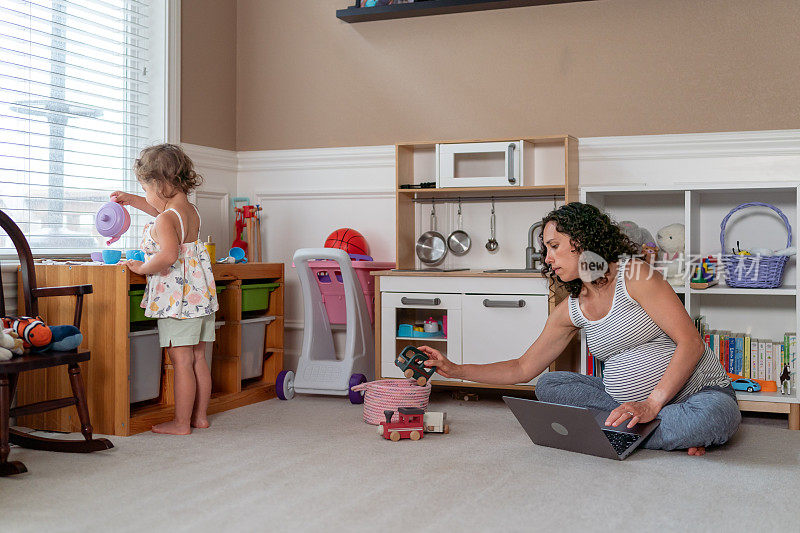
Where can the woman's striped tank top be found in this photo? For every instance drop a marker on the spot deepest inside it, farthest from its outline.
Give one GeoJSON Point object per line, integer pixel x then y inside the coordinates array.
{"type": "Point", "coordinates": [635, 351]}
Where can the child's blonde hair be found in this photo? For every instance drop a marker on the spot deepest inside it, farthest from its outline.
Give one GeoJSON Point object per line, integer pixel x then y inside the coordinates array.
{"type": "Point", "coordinates": [167, 164]}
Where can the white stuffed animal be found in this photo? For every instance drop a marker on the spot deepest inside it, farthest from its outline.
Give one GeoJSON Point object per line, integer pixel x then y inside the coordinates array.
{"type": "Point", "coordinates": [10, 344]}
{"type": "Point", "coordinates": [671, 241]}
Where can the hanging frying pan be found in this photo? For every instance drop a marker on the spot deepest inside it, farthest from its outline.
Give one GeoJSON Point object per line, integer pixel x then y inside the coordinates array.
{"type": "Point", "coordinates": [431, 247]}
{"type": "Point", "coordinates": [459, 241]}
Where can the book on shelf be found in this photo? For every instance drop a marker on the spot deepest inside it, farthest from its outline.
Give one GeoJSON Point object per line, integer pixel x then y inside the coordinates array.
{"type": "Point", "coordinates": [762, 352]}
{"type": "Point", "coordinates": [746, 357]}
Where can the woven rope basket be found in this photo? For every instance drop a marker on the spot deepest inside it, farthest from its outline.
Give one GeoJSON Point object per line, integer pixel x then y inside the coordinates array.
{"type": "Point", "coordinates": [391, 394]}
{"type": "Point", "coordinates": [754, 271]}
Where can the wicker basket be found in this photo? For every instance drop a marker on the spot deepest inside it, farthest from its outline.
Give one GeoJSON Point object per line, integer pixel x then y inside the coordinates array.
{"type": "Point", "coordinates": [391, 394]}
{"type": "Point", "coordinates": [754, 271]}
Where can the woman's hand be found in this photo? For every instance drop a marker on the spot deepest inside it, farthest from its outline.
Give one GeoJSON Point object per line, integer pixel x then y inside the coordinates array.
{"type": "Point", "coordinates": [637, 412]}
{"type": "Point", "coordinates": [135, 266]}
{"type": "Point", "coordinates": [444, 367]}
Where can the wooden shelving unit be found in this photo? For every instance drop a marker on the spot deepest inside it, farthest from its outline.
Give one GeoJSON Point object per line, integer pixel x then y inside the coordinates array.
{"type": "Point", "coordinates": [106, 326]}
{"type": "Point", "coordinates": [434, 7]}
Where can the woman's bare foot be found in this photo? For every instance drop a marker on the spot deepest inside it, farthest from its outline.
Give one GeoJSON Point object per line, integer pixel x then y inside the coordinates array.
{"type": "Point", "coordinates": [172, 428]}
{"type": "Point", "coordinates": [697, 450]}
{"type": "Point", "coordinates": [201, 423]}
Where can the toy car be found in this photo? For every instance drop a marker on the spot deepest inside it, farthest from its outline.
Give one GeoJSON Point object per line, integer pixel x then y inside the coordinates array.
{"type": "Point", "coordinates": [746, 384]}
{"type": "Point", "coordinates": [411, 362]}
{"type": "Point", "coordinates": [435, 422]}
{"type": "Point", "coordinates": [409, 425]}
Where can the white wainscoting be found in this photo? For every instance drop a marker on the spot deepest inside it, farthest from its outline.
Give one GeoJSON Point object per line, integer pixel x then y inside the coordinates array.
{"type": "Point", "coordinates": [306, 193]}
{"type": "Point", "coordinates": [213, 198]}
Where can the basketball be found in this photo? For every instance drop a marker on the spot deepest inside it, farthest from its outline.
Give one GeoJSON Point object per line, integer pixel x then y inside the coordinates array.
{"type": "Point", "coordinates": [349, 240]}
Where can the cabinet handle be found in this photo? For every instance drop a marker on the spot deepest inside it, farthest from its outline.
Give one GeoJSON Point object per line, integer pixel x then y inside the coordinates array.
{"type": "Point", "coordinates": [503, 303]}
{"type": "Point", "coordinates": [420, 301]}
{"type": "Point", "coordinates": [510, 169]}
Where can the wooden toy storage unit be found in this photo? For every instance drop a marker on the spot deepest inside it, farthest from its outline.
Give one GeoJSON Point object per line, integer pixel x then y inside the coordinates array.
{"type": "Point", "coordinates": [106, 325]}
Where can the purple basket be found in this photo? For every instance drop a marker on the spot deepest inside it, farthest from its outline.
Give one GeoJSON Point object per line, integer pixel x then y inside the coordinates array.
{"type": "Point", "coordinates": [754, 271]}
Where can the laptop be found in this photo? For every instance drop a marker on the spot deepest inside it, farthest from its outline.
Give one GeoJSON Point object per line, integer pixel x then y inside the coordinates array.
{"type": "Point", "coordinates": [577, 429]}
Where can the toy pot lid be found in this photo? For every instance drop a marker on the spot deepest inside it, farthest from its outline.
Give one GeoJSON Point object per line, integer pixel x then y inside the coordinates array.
{"type": "Point", "coordinates": [112, 220]}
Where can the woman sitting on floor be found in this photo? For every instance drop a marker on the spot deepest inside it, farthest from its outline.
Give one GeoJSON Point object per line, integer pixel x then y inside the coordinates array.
{"type": "Point", "coordinates": [656, 364]}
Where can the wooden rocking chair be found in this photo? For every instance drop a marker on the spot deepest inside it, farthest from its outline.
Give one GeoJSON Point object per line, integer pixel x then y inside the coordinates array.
{"type": "Point", "coordinates": [9, 370]}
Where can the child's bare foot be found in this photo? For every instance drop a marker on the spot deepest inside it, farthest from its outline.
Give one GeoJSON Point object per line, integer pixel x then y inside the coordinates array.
{"type": "Point", "coordinates": [697, 450]}
{"type": "Point", "coordinates": [201, 423]}
{"type": "Point", "coordinates": [172, 428]}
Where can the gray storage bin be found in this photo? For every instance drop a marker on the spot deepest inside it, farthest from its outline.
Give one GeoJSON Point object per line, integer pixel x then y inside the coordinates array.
{"type": "Point", "coordinates": [210, 345]}
{"type": "Point", "coordinates": [252, 357]}
{"type": "Point", "coordinates": [144, 376]}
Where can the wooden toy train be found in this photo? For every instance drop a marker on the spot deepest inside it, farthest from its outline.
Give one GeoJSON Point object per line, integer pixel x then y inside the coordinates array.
{"type": "Point", "coordinates": [413, 422]}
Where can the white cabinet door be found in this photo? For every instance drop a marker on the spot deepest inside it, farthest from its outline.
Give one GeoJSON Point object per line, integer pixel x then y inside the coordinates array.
{"type": "Point", "coordinates": [416, 307]}
{"type": "Point", "coordinates": [497, 327]}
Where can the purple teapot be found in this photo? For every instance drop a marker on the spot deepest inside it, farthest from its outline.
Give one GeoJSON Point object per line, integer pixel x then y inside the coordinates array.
{"type": "Point", "coordinates": [112, 221]}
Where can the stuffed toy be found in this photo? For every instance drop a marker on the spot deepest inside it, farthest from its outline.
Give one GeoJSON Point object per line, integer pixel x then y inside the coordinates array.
{"type": "Point", "coordinates": [39, 337]}
{"type": "Point", "coordinates": [670, 240]}
{"type": "Point", "coordinates": [33, 331]}
{"type": "Point", "coordinates": [640, 236]}
{"type": "Point", "coordinates": [10, 344]}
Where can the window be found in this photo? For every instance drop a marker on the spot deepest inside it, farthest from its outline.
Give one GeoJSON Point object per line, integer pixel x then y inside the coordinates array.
{"type": "Point", "coordinates": [76, 107]}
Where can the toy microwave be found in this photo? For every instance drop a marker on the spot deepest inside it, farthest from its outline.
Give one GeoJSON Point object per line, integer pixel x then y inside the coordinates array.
{"type": "Point", "coordinates": [483, 164]}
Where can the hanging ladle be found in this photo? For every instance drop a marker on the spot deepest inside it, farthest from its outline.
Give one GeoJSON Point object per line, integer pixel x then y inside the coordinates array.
{"type": "Point", "coordinates": [491, 244]}
{"type": "Point", "coordinates": [459, 241]}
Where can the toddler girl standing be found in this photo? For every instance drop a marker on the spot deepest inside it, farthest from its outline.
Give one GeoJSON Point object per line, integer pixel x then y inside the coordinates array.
{"type": "Point", "coordinates": [180, 290]}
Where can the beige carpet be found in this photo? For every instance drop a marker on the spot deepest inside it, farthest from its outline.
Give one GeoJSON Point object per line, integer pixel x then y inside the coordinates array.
{"type": "Point", "coordinates": [311, 464]}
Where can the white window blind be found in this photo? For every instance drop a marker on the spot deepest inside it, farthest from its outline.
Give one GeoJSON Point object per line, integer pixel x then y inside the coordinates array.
{"type": "Point", "coordinates": [73, 117]}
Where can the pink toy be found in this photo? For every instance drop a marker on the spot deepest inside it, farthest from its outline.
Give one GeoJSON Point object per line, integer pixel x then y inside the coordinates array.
{"type": "Point", "coordinates": [329, 279]}
{"type": "Point", "coordinates": [112, 220]}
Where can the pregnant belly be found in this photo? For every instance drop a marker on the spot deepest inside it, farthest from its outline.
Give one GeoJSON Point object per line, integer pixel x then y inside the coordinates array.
{"type": "Point", "coordinates": [631, 376]}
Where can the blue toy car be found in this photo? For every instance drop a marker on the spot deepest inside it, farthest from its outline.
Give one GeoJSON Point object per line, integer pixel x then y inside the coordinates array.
{"type": "Point", "coordinates": [746, 384]}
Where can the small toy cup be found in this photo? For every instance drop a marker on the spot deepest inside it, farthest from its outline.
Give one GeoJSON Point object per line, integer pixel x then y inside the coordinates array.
{"type": "Point", "coordinates": [237, 254]}
{"type": "Point", "coordinates": [134, 255]}
{"type": "Point", "coordinates": [97, 256]}
{"type": "Point", "coordinates": [111, 257]}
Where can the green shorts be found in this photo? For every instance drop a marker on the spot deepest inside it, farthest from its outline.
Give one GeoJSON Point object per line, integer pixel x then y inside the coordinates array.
{"type": "Point", "coordinates": [185, 331]}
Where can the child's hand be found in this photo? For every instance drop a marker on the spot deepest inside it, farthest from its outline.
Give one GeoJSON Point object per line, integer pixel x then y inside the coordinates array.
{"type": "Point", "coordinates": [135, 266]}
{"type": "Point", "coordinates": [123, 198]}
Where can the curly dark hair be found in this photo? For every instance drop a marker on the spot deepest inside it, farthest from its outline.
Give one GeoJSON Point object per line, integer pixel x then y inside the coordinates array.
{"type": "Point", "coordinates": [589, 229]}
{"type": "Point", "coordinates": [167, 164]}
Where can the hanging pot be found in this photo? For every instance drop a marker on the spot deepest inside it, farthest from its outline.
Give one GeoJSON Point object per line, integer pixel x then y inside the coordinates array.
{"type": "Point", "coordinates": [431, 247]}
{"type": "Point", "coordinates": [459, 241]}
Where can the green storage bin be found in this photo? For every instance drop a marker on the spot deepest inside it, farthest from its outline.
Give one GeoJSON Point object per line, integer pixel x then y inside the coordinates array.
{"type": "Point", "coordinates": [255, 296]}
{"type": "Point", "coordinates": [137, 313]}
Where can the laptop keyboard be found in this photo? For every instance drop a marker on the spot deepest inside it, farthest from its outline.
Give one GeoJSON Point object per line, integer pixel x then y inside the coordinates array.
{"type": "Point", "coordinates": [620, 441]}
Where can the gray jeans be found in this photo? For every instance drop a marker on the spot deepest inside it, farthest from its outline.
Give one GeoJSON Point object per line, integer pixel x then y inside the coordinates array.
{"type": "Point", "coordinates": [708, 417]}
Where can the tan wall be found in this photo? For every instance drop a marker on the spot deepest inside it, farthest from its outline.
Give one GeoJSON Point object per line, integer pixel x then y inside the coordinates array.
{"type": "Point", "coordinates": [611, 67]}
{"type": "Point", "coordinates": [208, 73]}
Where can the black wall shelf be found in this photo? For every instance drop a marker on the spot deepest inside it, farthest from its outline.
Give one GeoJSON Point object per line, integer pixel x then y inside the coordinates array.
{"type": "Point", "coordinates": [435, 7]}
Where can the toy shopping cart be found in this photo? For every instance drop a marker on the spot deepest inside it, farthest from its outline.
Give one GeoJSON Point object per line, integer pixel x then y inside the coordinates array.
{"type": "Point", "coordinates": [335, 290]}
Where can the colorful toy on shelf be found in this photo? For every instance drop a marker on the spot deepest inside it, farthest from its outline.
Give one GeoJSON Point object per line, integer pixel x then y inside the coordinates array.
{"type": "Point", "coordinates": [409, 426]}
{"type": "Point", "coordinates": [112, 220]}
{"type": "Point", "coordinates": [705, 274]}
{"type": "Point", "coordinates": [766, 385]}
{"type": "Point", "coordinates": [431, 325]}
{"type": "Point", "coordinates": [211, 248]}
{"type": "Point", "coordinates": [746, 384]}
{"type": "Point", "coordinates": [111, 257]}
{"type": "Point", "coordinates": [349, 240]}
{"type": "Point", "coordinates": [10, 344]}
{"type": "Point", "coordinates": [435, 422]}
{"type": "Point", "coordinates": [134, 255]}
{"type": "Point", "coordinates": [412, 331]}
{"type": "Point", "coordinates": [411, 362]}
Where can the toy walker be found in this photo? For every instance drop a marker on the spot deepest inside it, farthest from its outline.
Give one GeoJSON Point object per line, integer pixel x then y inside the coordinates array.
{"type": "Point", "coordinates": [324, 271]}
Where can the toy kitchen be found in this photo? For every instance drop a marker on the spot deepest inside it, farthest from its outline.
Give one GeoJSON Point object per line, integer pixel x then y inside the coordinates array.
{"type": "Point", "coordinates": [469, 253]}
